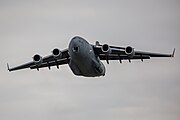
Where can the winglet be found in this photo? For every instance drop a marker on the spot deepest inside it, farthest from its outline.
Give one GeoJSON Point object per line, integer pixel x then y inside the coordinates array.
{"type": "Point", "coordinates": [8, 67]}
{"type": "Point", "coordinates": [172, 55]}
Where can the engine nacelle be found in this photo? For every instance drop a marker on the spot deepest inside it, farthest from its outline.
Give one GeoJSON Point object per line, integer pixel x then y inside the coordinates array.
{"type": "Point", "coordinates": [129, 51]}
{"type": "Point", "coordinates": [106, 49]}
{"type": "Point", "coordinates": [37, 59]}
{"type": "Point", "coordinates": [56, 53]}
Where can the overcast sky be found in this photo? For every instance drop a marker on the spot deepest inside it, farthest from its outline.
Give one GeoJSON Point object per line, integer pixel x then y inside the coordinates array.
{"type": "Point", "coordinates": [129, 91]}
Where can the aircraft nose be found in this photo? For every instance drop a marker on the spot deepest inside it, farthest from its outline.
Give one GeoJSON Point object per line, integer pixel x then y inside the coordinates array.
{"type": "Point", "coordinates": [74, 41]}
{"type": "Point", "coordinates": [74, 44]}
{"type": "Point", "coordinates": [76, 38]}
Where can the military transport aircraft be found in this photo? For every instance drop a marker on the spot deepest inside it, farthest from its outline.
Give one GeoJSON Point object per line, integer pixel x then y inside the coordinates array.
{"type": "Point", "coordinates": [84, 59]}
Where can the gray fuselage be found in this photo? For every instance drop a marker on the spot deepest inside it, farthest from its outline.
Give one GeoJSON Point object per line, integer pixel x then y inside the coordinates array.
{"type": "Point", "coordinates": [83, 61]}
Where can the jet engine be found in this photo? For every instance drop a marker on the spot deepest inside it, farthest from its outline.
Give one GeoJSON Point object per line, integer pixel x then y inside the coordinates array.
{"type": "Point", "coordinates": [129, 51]}
{"type": "Point", "coordinates": [37, 59]}
{"type": "Point", "coordinates": [56, 53]}
{"type": "Point", "coordinates": [106, 49]}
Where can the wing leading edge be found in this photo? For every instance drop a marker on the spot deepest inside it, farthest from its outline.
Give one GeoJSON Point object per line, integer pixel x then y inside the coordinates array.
{"type": "Point", "coordinates": [103, 52]}
{"type": "Point", "coordinates": [106, 52]}
{"type": "Point", "coordinates": [55, 59]}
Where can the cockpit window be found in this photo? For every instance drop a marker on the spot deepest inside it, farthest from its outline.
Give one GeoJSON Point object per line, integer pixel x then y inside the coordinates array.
{"type": "Point", "coordinates": [75, 49]}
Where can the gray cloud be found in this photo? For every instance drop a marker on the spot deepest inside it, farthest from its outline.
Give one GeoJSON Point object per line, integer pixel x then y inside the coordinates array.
{"type": "Point", "coordinates": [148, 90]}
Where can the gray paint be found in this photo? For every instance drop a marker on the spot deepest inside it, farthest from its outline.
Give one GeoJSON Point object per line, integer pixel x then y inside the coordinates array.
{"type": "Point", "coordinates": [83, 61]}
{"type": "Point", "coordinates": [148, 90]}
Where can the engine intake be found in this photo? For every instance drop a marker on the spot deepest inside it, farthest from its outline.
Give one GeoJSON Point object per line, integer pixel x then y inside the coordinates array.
{"type": "Point", "coordinates": [56, 53]}
{"type": "Point", "coordinates": [106, 49]}
{"type": "Point", "coordinates": [129, 51]}
{"type": "Point", "coordinates": [37, 59]}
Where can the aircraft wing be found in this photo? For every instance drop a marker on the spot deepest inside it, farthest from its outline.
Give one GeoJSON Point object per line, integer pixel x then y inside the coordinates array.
{"type": "Point", "coordinates": [106, 52]}
{"type": "Point", "coordinates": [55, 59]}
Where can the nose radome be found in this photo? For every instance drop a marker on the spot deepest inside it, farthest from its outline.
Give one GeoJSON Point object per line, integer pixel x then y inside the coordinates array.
{"type": "Point", "coordinates": [74, 42]}
{"type": "Point", "coordinates": [76, 38]}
